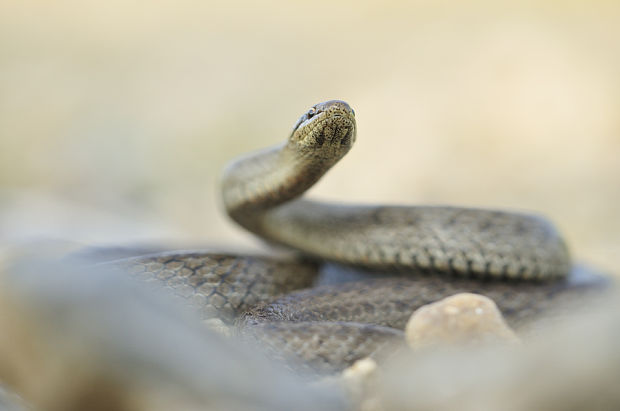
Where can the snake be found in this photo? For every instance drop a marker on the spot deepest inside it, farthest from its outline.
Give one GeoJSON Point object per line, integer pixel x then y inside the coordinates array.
{"type": "Point", "coordinates": [419, 254]}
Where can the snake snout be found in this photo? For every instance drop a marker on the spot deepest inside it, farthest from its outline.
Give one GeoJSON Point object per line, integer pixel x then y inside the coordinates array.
{"type": "Point", "coordinates": [334, 136]}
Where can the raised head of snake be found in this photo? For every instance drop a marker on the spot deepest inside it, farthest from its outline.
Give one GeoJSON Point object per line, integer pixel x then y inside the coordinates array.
{"type": "Point", "coordinates": [326, 132]}
{"type": "Point", "coordinates": [263, 180]}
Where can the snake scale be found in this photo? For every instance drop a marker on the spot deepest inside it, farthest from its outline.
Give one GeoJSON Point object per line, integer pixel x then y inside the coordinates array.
{"type": "Point", "coordinates": [518, 260]}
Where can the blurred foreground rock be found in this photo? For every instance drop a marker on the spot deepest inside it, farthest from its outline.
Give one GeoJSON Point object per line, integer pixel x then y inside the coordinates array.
{"type": "Point", "coordinates": [76, 340]}
{"type": "Point", "coordinates": [569, 364]}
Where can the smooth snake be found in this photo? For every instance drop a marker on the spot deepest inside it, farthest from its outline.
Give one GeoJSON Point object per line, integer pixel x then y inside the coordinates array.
{"type": "Point", "coordinates": [423, 253]}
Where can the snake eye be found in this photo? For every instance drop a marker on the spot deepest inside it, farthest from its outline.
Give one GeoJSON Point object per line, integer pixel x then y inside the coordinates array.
{"type": "Point", "coordinates": [306, 116]}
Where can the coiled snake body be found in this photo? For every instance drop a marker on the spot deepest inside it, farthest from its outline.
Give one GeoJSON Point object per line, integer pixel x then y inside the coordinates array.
{"type": "Point", "coordinates": [258, 190]}
{"type": "Point", "coordinates": [445, 249]}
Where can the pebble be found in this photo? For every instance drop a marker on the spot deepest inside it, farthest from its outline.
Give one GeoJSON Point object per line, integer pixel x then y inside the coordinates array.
{"type": "Point", "coordinates": [463, 318]}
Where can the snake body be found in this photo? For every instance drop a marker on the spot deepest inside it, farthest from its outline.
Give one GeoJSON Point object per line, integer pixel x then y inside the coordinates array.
{"type": "Point", "coordinates": [260, 193]}
{"type": "Point", "coordinates": [439, 251]}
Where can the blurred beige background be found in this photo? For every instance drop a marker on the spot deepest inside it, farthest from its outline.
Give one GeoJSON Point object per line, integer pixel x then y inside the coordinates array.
{"type": "Point", "coordinates": [117, 117]}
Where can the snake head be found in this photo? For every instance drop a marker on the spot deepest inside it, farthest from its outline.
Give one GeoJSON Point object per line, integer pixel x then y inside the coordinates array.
{"type": "Point", "coordinates": [327, 130]}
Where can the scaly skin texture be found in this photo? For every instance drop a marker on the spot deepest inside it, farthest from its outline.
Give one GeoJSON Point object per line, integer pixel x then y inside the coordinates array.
{"type": "Point", "coordinates": [294, 325]}
{"type": "Point", "coordinates": [390, 301]}
{"type": "Point", "coordinates": [220, 285]}
{"type": "Point", "coordinates": [322, 347]}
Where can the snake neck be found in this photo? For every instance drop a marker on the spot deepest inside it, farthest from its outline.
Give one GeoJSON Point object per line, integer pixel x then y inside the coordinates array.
{"type": "Point", "coordinates": [260, 182]}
